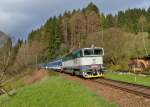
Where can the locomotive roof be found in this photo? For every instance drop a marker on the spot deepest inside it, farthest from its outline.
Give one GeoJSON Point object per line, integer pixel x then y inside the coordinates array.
{"type": "Point", "coordinates": [87, 48]}
{"type": "Point", "coordinates": [75, 50]}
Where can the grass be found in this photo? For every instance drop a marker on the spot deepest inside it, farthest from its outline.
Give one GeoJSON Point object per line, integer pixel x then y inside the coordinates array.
{"type": "Point", "coordinates": [131, 78]}
{"type": "Point", "coordinates": [18, 81]}
{"type": "Point", "coordinates": [15, 83]}
{"type": "Point", "coordinates": [54, 92]}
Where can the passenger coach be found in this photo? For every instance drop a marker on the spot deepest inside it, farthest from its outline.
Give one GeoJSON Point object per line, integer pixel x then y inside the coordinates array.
{"type": "Point", "coordinates": [55, 65]}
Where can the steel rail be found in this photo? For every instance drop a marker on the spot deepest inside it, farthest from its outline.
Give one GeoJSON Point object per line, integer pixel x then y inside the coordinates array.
{"type": "Point", "coordinates": [125, 86]}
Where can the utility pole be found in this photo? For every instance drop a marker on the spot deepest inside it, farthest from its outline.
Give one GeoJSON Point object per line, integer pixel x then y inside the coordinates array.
{"type": "Point", "coordinates": [36, 58]}
{"type": "Point", "coordinates": [142, 21]}
{"type": "Point", "coordinates": [102, 36]}
{"type": "Point", "coordinates": [145, 46]}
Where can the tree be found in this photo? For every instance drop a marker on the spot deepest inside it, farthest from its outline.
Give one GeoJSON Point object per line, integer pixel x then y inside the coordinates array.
{"type": "Point", "coordinates": [109, 21]}
{"type": "Point", "coordinates": [142, 22]}
{"type": "Point", "coordinates": [5, 60]}
{"type": "Point", "coordinates": [55, 39]}
{"type": "Point", "coordinates": [91, 7]}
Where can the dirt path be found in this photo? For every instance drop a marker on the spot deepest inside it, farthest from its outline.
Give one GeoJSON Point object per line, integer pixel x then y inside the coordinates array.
{"type": "Point", "coordinates": [35, 76]}
{"type": "Point", "coordinates": [123, 99]}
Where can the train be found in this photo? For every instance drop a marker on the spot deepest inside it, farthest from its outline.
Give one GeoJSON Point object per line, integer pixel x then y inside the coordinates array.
{"type": "Point", "coordinates": [84, 62]}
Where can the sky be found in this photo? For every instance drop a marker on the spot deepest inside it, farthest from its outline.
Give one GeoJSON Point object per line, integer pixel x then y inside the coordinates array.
{"type": "Point", "coordinates": [19, 17]}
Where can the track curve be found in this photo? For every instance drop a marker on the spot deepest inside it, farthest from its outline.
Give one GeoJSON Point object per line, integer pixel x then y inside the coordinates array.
{"type": "Point", "coordinates": [125, 86]}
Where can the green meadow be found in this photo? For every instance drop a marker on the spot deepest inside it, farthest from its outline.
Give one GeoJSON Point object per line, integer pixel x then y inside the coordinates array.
{"type": "Point", "coordinates": [129, 77]}
{"type": "Point", "coordinates": [54, 91]}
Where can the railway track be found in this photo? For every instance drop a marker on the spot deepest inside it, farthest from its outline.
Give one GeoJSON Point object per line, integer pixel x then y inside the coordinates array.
{"type": "Point", "coordinates": [128, 87]}
{"type": "Point", "coordinates": [136, 89]}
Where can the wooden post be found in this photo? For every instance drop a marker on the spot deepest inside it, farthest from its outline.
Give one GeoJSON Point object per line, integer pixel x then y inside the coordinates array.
{"type": "Point", "coordinates": [135, 75]}
{"type": "Point", "coordinates": [36, 63]}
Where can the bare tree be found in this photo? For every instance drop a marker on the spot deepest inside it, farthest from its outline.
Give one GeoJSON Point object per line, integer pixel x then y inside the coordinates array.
{"type": "Point", "coordinates": [5, 61]}
{"type": "Point", "coordinates": [142, 22]}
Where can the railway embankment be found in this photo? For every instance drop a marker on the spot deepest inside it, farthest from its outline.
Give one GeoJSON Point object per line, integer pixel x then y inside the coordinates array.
{"type": "Point", "coordinates": [59, 89]}
{"type": "Point", "coordinates": [50, 89]}
{"type": "Point", "coordinates": [120, 97]}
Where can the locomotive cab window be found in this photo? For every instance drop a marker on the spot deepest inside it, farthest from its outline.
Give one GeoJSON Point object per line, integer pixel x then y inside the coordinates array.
{"type": "Point", "coordinates": [77, 54]}
{"type": "Point", "coordinates": [98, 52]}
{"type": "Point", "coordinates": [88, 52]}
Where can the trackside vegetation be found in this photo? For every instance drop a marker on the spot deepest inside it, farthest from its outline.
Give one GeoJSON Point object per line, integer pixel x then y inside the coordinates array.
{"type": "Point", "coordinates": [129, 77]}
{"type": "Point", "coordinates": [123, 36]}
{"type": "Point", "coordinates": [54, 92]}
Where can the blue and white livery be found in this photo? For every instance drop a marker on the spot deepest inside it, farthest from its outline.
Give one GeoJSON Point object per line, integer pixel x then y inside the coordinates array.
{"type": "Point", "coordinates": [55, 65]}
{"type": "Point", "coordinates": [85, 62]}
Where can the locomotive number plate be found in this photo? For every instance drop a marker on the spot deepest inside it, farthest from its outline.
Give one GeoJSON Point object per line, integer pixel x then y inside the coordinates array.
{"type": "Point", "coordinates": [94, 66]}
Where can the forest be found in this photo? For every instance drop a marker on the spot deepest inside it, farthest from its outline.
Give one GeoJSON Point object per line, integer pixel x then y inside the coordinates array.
{"type": "Point", "coordinates": [123, 36]}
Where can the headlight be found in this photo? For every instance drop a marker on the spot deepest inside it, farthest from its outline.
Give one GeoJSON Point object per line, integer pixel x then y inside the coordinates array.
{"type": "Point", "coordinates": [84, 73]}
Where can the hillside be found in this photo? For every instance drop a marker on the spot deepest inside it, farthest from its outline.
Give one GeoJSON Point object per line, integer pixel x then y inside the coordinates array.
{"type": "Point", "coordinates": [3, 38]}
{"type": "Point", "coordinates": [54, 91]}
{"type": "Point", "coordinates": [121, 36]}
{"type": "Point", "coordinates": [8, 53]}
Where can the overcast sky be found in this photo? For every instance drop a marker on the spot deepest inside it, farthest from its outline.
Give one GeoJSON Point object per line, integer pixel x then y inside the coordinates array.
{"type": "Point", "coordinates": [19, 17]}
